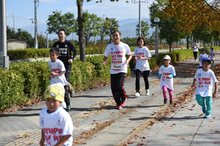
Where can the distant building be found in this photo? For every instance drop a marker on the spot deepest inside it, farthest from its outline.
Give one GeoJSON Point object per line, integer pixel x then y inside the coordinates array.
{"type": "Point", "coordinates": [15, 44]}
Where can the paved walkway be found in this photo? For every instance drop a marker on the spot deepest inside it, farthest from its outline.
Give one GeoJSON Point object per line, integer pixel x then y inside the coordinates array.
{"type": "Point", "coordinates": [94, 107]}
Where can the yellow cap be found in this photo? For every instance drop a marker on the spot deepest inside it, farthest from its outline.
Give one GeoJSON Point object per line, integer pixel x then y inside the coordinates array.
{"type": "Point", "coordinates": [55, 91]}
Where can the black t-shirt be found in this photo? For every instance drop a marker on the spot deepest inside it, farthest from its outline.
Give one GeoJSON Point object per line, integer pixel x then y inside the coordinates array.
{"type": "Point", "coordinates": [65, 51]}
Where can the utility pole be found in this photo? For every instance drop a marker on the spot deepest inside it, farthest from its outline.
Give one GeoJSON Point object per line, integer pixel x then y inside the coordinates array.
{"type": "Point", "coordinates": [13, 21]}
{"type": "Point", "coordinates": [4, 59]}
{"type": "Point", "coordinates": [139, 1]}
{"type": "Point", "coordinates": [35, 21]}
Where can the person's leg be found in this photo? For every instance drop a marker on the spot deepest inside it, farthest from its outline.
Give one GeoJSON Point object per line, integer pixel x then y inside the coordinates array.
{"type": "Point", "coordinates": [201, 102]}
{"type": "Point", "coordinates": [171, 95]}
{"type": "Point", "coordinates": [67, 75]}
{"type": "Point", "coordinates": [209, 105]}
{"type": "Point", "coordinates": [146, 75]}
{"type": "Point", "coordinates": [137, 81]}
{"type": "Point", "coordinates": [164, 89]}
{"type": "Point", "coordinates": [196, 53]}
{"type": "Point", "coordinates": [66, 98]}
{"type": "Point", "coordinates": [114, 88]}
{"type": "Point", "coordinates": [121, 89]}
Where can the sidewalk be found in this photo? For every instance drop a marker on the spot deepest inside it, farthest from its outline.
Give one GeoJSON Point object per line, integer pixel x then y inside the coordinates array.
{"type": "Point", "coordinates": [94, 107]}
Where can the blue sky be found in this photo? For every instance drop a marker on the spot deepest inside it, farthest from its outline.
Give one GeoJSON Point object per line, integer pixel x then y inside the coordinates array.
{"type": "Point", "coordinates": [23, 10]}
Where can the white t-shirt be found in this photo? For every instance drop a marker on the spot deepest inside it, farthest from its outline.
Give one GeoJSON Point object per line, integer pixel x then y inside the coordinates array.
{"type": "Point", "coordinates": [212, 54]}
{"type": "Point", "coordinates": [57, 67]}
{"type": "Point", "coordinates": [195, 47]}
{"type": "Point", "coordinates": [204, 82]}
{"type": "Point", "coordinates": [165, 71]}
{"type": "Point", "coordinates": [55, 125]}
{"type": "Point", "coordinates": [118, 54]}
{"type": "Point", "coordinates": [201, 57]}
{"type": "Point", "coordinates": [142, 64]}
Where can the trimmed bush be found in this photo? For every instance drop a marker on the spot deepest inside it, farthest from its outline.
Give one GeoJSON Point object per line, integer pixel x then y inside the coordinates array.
{"type": "Point", "coordinates": [11, 88]}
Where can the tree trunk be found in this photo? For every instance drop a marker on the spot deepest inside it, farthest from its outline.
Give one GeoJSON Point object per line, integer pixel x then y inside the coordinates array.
{"type": "Point", "coordinates": [170, 47]}
{"type": "Point", "coordinates": [187, 42]}
{"type": "Point", "coordinates": [110, 40]}
{"type": "Point", "coordinates": [102, 39]}
{"type": "Point", "coordinates": [80, 31]}
{"type": "Point", "coordinates": [86, 40]}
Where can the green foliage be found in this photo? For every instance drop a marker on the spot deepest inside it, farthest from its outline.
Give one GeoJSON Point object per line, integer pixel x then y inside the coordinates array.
{"type": "Point", "coordinates": [27, 53]}
{"type": "Point", "coordinates": [11, 88]}
{"type": "Point", "coordinates": [144, 29]}
{"type": "Point", "coordinates": [57, 20]}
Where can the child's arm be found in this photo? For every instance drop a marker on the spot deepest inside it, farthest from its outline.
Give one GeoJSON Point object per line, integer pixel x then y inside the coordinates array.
{"type": "Point", "coordinates": [216, 89]}
{"type": "Point", "coordinates": [57, 74]}
{"type": "Point", "coordinates": [42, 138]}
{"type": "Point", "coordinates": [193, 84]}
{"type": "Point", "coordinates": [63, 140]}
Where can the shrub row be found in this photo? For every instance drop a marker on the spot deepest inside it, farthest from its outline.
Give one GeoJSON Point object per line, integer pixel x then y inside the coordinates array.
{"type": "Point", "coordinates": [26, 82]}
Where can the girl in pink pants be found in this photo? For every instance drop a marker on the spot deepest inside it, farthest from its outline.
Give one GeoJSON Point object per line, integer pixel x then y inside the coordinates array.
{"type": "Point", "coordinates": [166, 73]}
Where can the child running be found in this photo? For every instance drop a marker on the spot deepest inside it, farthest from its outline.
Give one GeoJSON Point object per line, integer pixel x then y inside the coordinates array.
{"type": "Point", "coordinates": [212, 54]}
{"type": "Point", "coordinates": [57, 71]}
{"type": "Point", "coordinates": [203, 93]}
{"type": "Point", "coordinates": [201, 57]}
{"type": "Point", "coordinates": [55, 122]}
{"type": "Point", "coordinates": [142, 55]}
{"type": "Point", "coordinates": [166, 73]}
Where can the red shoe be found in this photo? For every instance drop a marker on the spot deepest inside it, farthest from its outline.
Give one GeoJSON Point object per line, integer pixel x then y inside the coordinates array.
{"type": "Point", "coordinates": [118, 107]}
{"type": "Point", "coordinates": [123, 104]}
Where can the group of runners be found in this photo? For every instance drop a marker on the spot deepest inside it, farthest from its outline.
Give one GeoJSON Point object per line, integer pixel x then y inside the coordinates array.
{"type": "Point", "coordinates": [55, 121]}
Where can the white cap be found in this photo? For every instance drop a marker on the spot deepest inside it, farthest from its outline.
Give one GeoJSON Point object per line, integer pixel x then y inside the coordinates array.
{"type": "Point", "coordinates": [166, 57]}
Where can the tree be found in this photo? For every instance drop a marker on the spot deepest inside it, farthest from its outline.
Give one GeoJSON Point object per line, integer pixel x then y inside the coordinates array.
{"type": "Point", "coordinates": [166, 25]}
{"type": "Point", "coordinates": [58, 20]}
{"type": "Point", "coordinates": [42, 41]}
{"type": "Point", "coordinates": [24, 35]}
{"type": "Point", "coordinates": [203, 33]}
{"type": "Point", "coordinates": [113, 25]}
{"type": "Point", "coordinates": [144, 29]}
{"type": "Point", "coordinates": [103, 29]}
{"type": "Point", "coordinates": [10, 33]}
{"type": "Point", "coordinates": [91, 24]}
{"type": "Point", "coordinates": [193, 13]}
{"type": "Point", "coordinates": [79, 4]}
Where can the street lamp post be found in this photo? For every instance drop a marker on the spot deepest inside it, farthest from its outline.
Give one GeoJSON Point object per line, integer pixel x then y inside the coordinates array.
{"type": "Point", "coordinates": [4, 59]}
{"type": "Point", "coordinates": [47, 32]}
{"type": "Point", "coordinates": [156, 20]}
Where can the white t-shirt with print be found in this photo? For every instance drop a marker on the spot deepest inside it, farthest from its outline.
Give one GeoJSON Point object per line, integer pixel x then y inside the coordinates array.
{"type": "Point", "coordinates": [205, 79]}
{"type": "Point", "coordinates": [55, 125]}
{"type": "Point", "coordinates": [142, 64]}
{"type": "Point", "coordinates": [196, 47]}
{"type": "Point", "coordinates": [118, 55]}
{"type": "Point", "coordinates": [212, 54]}
{"type": "Point", "coordinates": [201, 57]}
{"type": "Point", "coordinates": [57, 67]}
{"type": "Point", "coordinates": [165, 71]}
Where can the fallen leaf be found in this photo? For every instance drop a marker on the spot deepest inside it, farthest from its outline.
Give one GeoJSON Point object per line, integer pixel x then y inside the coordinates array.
{"type": "Point", "coordinates": [148, 127]}
{"type": "Point", "coordinates": [182, 138]}
{"type": "Point", "coordinates": [167, 128]}
{"type": "Point", "coordinates": [144, 132]}
{"type": "Point", "coordinates": [216, 131]}
{"type": "Point", "coordinates": [140, 144]}
{"type": "Point", "coordinates": [211, 126]}
{"type": "Point", "coordinates": [215, 142]}
{"type": "Point", "coordinates": [191, 125]}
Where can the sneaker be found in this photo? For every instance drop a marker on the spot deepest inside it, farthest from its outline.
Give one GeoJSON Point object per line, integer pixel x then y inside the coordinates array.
{"type": "Point", "coordinates": [137, 94]}
{"type": "Point", "coordinates": [171, 102]}
{"type": "Point", "coordinates": [207, 116]}
{"type": "Point", "coordinates": [123, 104]}
{"type": "Point", "coordinates": [71, 91]}
{"type": "Point", "coordinates": [147, 92]}
{"type": "Point", "coordinates": [165, 101]}
{"type": "Point", "coordinates": [68, 108]}
{"type": "Point", "coordinates": [118, 107]}
{"type": "Point", "coordinates": [203, 110]}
